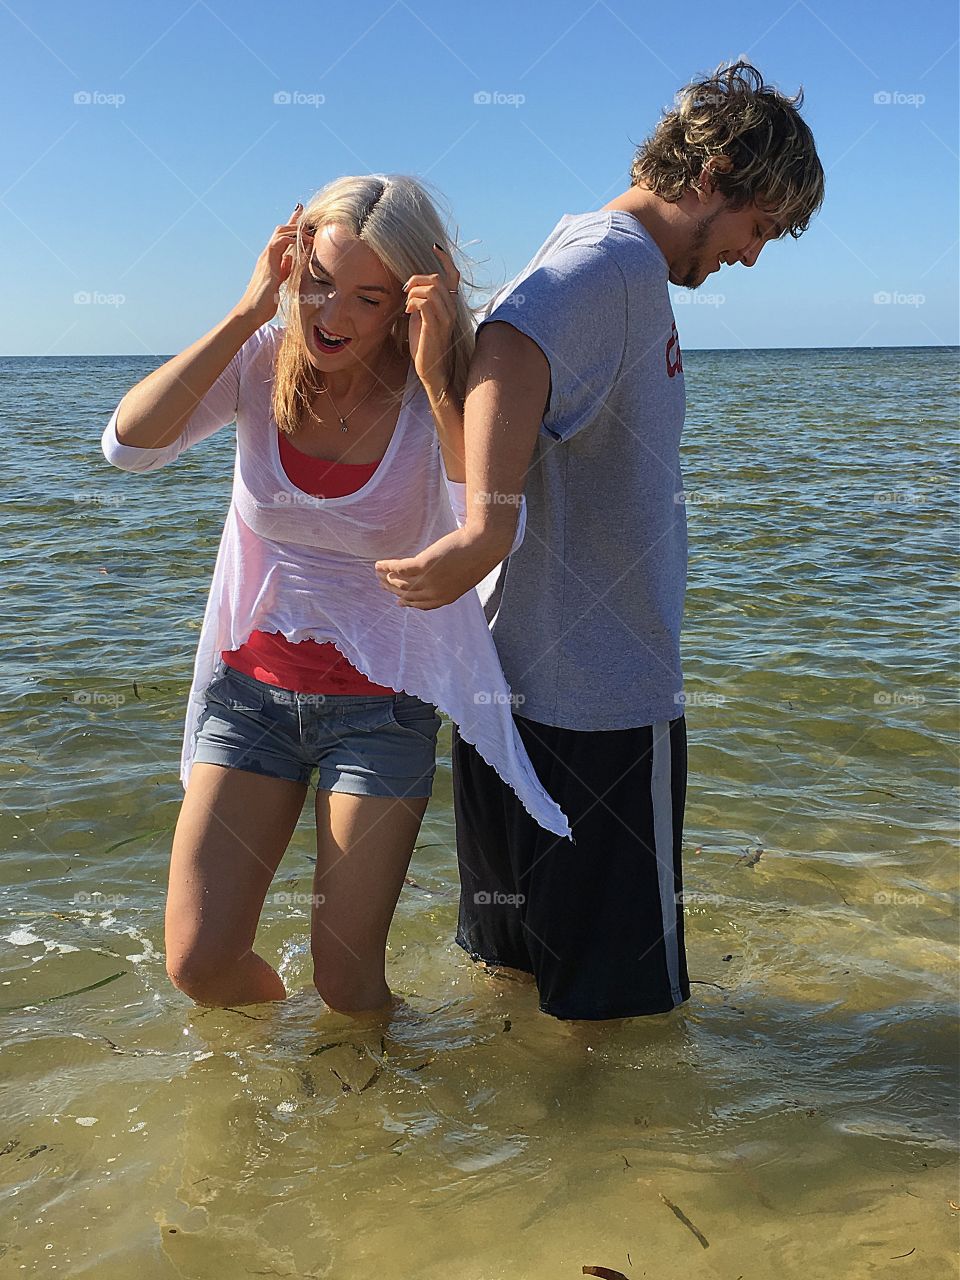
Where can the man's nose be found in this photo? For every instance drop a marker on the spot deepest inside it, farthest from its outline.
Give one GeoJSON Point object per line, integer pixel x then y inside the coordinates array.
{"type": "Point", "coordinates": [752, 252]}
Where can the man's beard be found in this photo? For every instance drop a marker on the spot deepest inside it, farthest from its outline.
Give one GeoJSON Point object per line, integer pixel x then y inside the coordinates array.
{"type": "Point", "coordinates": [693, 275]}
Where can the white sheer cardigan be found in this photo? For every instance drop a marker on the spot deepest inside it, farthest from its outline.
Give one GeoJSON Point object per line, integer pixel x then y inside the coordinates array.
{"type": "Point", "coordinates": [304, 567]}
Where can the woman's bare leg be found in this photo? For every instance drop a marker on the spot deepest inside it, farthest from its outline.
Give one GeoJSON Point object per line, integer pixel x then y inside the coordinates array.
{"type": "Point", "coordinates": [364, 845]}
{"type": "Point", "coordinates": [233, 829]}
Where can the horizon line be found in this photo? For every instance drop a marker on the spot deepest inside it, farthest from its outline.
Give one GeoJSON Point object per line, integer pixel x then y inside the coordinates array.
{"type": "Point", "coordinates": [146, 355]}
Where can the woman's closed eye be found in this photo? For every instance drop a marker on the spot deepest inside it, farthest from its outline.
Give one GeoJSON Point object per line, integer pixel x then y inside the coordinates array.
{"type": "Point", "coordinates": [328, 284]}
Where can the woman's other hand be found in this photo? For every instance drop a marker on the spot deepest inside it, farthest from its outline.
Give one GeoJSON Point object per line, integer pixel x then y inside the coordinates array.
{"type": "Point", "coordinates": [262, 295]}
{"type": "Point", "coordinates": [431, 306]}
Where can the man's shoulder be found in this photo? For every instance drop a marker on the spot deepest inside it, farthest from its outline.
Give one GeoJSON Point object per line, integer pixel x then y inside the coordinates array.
{"type": "Point", "coordinates": [581, 242]}
{"type": "Point", "coordinates": [575, 262]}
{"type": "Point", "coordinates": [603, 249]}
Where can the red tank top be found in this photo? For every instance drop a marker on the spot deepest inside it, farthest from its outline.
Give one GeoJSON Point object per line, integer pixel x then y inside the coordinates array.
{"type": "Point", "coordinates": [307, 666]}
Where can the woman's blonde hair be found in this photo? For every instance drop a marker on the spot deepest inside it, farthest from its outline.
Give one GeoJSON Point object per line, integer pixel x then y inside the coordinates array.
{"type": "Point", "coordinates": [395, 217]}
{"type": "Point", "coordinates": [750, 137]}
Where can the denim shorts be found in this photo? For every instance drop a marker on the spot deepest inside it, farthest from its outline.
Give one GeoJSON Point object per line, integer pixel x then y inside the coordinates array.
{"type": "Point", "coordinates": [384, 745]}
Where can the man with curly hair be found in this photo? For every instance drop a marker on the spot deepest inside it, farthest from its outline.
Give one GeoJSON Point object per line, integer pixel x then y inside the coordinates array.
{"type": "Point", "coordinates": [576, 398]}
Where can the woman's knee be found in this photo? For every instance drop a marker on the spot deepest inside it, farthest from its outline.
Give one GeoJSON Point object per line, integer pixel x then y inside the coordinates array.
{"type": "Point", "coordinates": [216, 978]}
{"type": "Point", "coordinates": [194, 971]}
{"type": "Point", "coordinates": [204, 973]}
{"type": "Point", "coordinates": [350, 990]}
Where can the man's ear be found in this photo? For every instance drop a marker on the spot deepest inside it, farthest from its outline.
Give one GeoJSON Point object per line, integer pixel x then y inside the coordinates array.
{"type": "Point", "coordinates": [712, 165]}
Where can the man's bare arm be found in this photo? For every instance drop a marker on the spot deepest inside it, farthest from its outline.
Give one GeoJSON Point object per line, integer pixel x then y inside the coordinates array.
{"type": "Point", "coordinates": [507, 394]}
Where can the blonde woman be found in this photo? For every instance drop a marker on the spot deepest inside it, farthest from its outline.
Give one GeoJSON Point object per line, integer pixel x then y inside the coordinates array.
{"type": "Point", "coordinates": [349, 448]}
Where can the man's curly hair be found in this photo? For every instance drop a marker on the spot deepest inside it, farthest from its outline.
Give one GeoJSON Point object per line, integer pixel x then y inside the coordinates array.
{"type": "Point", "coordinates": [752, 139]}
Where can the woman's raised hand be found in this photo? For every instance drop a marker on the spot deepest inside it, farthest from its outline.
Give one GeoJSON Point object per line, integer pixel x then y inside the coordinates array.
{"type": "Point", "coordinates": [432, 308]}
{"type": "Point", "coordinates": [262, 295]}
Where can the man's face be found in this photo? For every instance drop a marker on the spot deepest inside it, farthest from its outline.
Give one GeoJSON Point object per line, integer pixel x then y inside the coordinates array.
{"type": "Point", "coordinates": [721, 236]}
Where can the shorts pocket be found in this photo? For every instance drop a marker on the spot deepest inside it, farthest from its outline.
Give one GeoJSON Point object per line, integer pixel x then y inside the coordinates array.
{"type": "Point", "coordinates": [416, 716]}
{"type": "Point", "coordinates": [236, 694]}
{"type": "Point", "coordinates": [368, 714]}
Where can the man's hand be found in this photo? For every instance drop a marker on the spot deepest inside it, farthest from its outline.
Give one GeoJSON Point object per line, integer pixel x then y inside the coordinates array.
{"type": "Point", "coordinates": [443, 572]}
{"type": "Point", "coordinates": [507, 394]}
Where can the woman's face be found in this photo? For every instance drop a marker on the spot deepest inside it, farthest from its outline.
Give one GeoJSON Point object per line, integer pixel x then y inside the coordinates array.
{"type": "Point", "coordinates": [348, 301]}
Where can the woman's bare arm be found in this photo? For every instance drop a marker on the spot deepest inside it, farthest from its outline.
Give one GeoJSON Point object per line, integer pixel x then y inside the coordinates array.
{"type": "Point", "coordinates": [154, 413]}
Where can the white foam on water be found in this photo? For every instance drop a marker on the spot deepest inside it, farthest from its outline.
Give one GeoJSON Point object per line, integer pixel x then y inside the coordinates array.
{"type": "Point", "coordinates": [22, 938]}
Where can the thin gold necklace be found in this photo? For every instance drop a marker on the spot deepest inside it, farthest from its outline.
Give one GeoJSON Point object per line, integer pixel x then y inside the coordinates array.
{"type": "Point", "coordinates": [342, 417]}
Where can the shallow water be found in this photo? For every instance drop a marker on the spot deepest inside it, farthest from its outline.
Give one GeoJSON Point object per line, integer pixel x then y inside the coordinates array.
{"type": "Point", "coordinates": [795, 1118]}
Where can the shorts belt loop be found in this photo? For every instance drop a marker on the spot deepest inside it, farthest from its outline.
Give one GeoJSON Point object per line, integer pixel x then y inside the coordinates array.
{"type": "Point", "coordinates": [299, 716]}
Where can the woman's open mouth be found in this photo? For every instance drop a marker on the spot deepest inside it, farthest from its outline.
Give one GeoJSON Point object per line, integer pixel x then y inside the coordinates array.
{"type": "Point", "coordinates": [329, 341]}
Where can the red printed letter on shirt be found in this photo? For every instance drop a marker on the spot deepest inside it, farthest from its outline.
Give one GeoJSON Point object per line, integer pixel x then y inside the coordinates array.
{"type": "Point", "coordinates": [674, 358]}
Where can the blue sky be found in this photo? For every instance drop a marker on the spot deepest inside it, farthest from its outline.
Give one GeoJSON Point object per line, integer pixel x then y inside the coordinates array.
{"type": "Point", "coordinates": [153, 197]}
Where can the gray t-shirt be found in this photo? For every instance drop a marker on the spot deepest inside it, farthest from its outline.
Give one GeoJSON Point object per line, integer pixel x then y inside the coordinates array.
{"type": "Point", "coordinates": [586, 613]}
